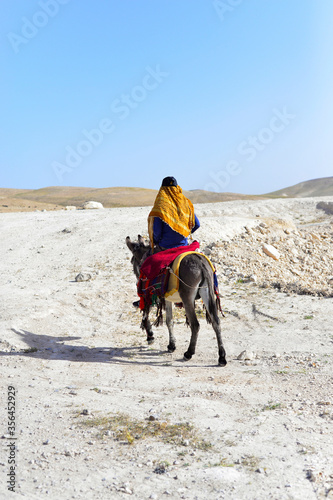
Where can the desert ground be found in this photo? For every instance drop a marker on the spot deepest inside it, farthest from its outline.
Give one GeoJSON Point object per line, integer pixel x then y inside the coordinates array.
{"type": "Point", "coordinates": [100, 414]}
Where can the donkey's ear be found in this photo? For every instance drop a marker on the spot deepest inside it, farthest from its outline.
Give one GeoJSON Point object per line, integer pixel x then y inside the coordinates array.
{"type": "Point", "coordinates": [129, 243]}
{"type": "Point", "coordinates": [141, 240]}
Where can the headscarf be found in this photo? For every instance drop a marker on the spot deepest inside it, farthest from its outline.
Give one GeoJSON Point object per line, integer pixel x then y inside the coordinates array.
{"type": "Point", "coordinates": [173, 208]}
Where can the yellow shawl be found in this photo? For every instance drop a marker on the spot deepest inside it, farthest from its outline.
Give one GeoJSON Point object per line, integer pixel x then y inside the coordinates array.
{"type": "Point", "coordinates": [173, 208]}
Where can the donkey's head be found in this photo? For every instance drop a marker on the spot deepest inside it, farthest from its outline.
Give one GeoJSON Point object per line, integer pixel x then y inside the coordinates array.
{"type": "Point", "coordinates": [140, 250]}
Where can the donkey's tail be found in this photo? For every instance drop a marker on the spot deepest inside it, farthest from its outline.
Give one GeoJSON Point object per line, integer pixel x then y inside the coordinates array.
{"type": "Point", "coordinates": [207, 293]}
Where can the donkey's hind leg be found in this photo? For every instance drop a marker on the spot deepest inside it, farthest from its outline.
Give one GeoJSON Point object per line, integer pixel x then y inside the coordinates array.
{"type": "Point", "coordinates": [194, 324]}
{"type": "Point", "coordinates": [169, 322]}
{"type": "Point", "coordinates": [212, 311]}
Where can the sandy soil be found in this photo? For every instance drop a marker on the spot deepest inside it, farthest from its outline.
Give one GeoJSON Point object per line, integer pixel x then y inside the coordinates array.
{"type": "Point", "coordinates": [101, 415]}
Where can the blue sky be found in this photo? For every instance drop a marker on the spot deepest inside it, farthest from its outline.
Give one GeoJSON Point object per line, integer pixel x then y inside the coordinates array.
{"type": "Point", "coordinates": [225, 95]}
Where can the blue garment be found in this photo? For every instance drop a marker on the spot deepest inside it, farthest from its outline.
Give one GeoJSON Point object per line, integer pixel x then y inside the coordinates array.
{"type": "Point", "coordinates": [167, 237]}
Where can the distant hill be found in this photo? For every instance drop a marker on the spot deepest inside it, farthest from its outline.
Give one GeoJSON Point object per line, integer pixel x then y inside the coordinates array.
{"type": "Point", "coordinates": [314, 187]}
{"type": "Point", "coordinates": [109, 197]}
{"type": "Point", "coordinates": [58, 197]}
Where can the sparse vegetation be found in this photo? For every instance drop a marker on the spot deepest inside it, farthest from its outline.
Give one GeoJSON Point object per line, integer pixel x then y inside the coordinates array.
{"type": "Point", "coordinates": [271, 406]}
{"type": "Point", "coordinates": [125, 428]}
{"type": "Point", "coordinates": [30, 349]}
{"type": "Point", "coordinates": [222, 463]}
{"type": "Point", "coordinates": [250, 462]}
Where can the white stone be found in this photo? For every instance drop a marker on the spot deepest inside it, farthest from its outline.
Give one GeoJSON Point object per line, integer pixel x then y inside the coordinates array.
{"type": "Point", "coordinates": [246, 355]}
{"type": "Point", "coordinates": [83, 277]}
{"type": "Point", "coordinates": [92, 204]}
{"type": "Point", "coordinates": [271, 251]}
{"type": "Point", "coordinates": [70, 207]}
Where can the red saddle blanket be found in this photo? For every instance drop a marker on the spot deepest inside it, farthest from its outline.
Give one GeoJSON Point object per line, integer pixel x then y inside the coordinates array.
{"type": "Point", "coordinates": [154, 264]}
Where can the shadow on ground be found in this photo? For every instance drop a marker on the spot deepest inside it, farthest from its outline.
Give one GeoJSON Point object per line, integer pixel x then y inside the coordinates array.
{"type": "Point", "coordinates": [52, 348]}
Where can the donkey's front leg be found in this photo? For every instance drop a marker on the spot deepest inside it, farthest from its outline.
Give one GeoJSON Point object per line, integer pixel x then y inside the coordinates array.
{"type": "Point", "coordinates": [169, 322]}
{"type": "Point", "coordinates": [146, 325]}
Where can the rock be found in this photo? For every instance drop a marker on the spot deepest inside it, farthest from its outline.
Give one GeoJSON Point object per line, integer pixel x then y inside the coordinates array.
{"type": "Point", "coordinates": [70, 207]}
{"type": "Point", "coordinates": [66, 230]}
{"type": "Point", "coordinates": [160, 469]}
{"type": "Point", "coordinates": [125, 489]}
{"type": "Point", "coordinates": [271, 251]}
{"type": "Point", "coordinates": [327, 207]}
{"type": "Point", "coordinates": [246, 355]}
{"type": "Point", "coordinates": [83, 277]}
{"type": "Point", "coordinates": [311, 476]}
{"type": "Point", "coordinates": [315, 237]}
{"type": "Point", "coordinates": [92, 204]}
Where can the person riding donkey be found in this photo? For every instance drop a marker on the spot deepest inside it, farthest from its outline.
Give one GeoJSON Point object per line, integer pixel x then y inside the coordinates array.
{"type": "Point", "coordinates": [170, 270]}
{"type": "Point", "coordinates": [172, 219]}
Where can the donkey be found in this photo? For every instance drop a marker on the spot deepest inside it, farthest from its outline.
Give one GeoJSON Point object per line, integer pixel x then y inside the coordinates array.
{"type": "Point", "coordinates": [196, 280]}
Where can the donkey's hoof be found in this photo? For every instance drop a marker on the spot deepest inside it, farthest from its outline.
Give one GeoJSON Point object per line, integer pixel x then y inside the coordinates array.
{"type": "Point", "coordinates": [187, 356]}
{"type": "Point", "coordinates": [171, 348]}
{"type": "Point", "coordinates": [150, 340]}
{"type": "Point", "coordinates": [222, 362]}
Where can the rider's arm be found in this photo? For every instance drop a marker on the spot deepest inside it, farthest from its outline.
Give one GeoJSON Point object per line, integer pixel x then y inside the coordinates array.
{"type": "Point", "coordinates": [158, 229]}
{"type": "Point", "coordinates": [196, 225]}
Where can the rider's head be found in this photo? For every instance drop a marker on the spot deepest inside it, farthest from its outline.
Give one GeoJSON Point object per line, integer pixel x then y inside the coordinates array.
{"type": "Point", "coordinates": [169, 181]}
